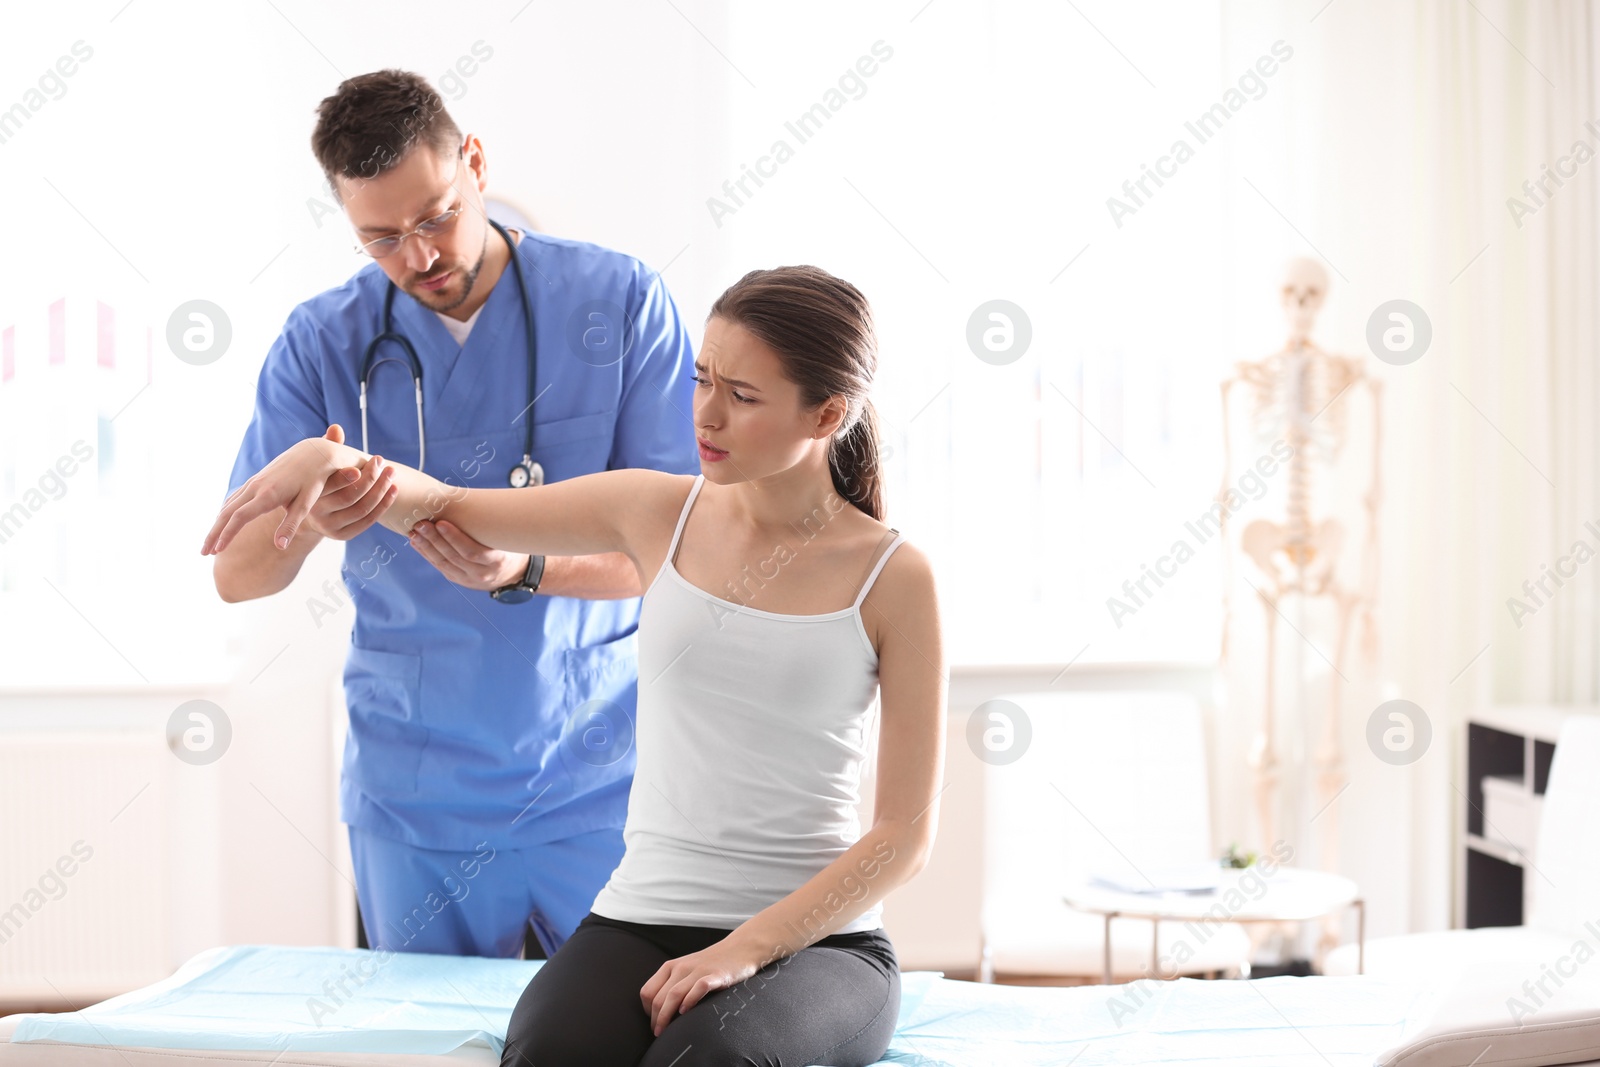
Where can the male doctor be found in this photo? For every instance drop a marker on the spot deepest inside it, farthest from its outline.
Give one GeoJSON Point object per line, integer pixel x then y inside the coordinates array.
{"type": "Point", "coordinates": [491, 696]}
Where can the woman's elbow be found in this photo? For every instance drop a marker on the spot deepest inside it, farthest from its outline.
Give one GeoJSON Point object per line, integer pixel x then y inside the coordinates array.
{"type": "Point", "coordinates": [910, 847]}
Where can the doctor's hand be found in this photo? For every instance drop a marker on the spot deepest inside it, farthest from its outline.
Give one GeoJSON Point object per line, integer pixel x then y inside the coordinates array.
{"type": "Point", "coordinates": [463, 560]}
{"type": "Point", "coordinates": [352, 499]}
{"type": "Point", "coordinates": [681, 983]}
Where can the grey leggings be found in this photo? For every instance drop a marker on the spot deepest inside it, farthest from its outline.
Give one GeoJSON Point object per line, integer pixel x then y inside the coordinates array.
{"type": "Point", "coordinates": [835, 1002]}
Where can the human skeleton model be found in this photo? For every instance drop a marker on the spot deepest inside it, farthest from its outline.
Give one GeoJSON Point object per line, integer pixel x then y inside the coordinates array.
{"type": "Point", "coordinates": [1299, 395]}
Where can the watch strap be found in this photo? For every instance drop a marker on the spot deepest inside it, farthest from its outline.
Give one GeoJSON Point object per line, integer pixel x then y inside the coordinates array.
{"type": "Point", "coordinates": [521, 591]}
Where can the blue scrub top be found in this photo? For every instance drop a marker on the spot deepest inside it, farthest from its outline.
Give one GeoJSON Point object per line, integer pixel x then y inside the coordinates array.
{"type": "Point", "coordinates": [470, 720]}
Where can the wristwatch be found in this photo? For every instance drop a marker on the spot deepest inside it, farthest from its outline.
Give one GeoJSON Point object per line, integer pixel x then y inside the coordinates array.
{"type": "Point", "coordinates": [522, 592]}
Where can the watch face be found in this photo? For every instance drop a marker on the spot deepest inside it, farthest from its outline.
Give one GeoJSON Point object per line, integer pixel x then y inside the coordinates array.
{"type": "Point", "coordinates": [515, 594]}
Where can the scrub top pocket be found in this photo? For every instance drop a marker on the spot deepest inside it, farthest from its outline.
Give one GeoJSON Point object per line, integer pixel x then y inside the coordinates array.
{"type": "Point", "coordinates": [601, 689]}
{"type": "Point", "coordinates": [381, 692]}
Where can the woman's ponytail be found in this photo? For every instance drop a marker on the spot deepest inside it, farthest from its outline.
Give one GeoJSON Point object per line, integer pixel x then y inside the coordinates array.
{"type": "Point", "coordinates": [854, 461]}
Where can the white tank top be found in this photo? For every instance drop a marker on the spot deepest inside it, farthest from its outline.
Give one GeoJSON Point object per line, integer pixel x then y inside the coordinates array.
{"type": "Point", "coordinates": [750, 733]}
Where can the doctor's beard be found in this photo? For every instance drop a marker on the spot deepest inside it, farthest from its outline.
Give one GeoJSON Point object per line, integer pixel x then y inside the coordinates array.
{"type": "Point", "coordinates": [468, 278]}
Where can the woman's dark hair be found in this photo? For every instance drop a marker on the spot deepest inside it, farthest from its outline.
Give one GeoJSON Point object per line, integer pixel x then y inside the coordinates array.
{"type": "Point", "coordinates": [369, 124]}
{"type": "Point", "coordinates": [821, 328]}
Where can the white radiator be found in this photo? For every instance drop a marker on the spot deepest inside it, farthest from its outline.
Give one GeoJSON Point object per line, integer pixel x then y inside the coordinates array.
{"type": "Point", "coordinates": [85, 882]}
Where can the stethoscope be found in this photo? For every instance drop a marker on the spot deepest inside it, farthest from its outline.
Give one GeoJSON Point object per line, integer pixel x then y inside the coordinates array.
{"type": "Point", "coordinates": [523, 474]}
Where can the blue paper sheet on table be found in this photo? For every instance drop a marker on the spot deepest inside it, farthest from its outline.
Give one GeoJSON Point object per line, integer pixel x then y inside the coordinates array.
{"type": "Point", "coordinates": [350, 1000]}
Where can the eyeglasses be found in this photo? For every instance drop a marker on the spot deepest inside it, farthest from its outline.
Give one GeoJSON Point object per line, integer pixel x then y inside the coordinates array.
{"type": "Point", "coordinates": [437, 226]}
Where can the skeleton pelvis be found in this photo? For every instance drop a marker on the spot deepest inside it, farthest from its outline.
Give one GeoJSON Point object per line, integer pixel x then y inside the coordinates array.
{"type": "Point", "coordinates": [1284, 560]}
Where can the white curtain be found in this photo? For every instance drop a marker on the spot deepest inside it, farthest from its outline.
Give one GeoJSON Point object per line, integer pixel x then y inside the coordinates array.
{"type": "Point", "coordinates": [1400, 135]}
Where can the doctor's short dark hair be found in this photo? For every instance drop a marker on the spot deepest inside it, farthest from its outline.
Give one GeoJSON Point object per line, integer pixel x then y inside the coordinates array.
{"type": "Point", "coordinates": [369, 124]}
{"type": "Point", "coordinates": [821, 328]}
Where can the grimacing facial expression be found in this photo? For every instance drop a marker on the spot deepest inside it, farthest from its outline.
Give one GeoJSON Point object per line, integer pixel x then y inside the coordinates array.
{"type": "Point", "coordinates": [438, 271]}
{"type": "Point", "coordinates": [746, 406]}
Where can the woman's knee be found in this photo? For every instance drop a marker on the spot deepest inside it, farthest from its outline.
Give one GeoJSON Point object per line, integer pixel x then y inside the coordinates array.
{"type": "Point", "coordinates": [547, 1041]}
{"type": "Point", "coordinates": [542, 1049]}
{"type": "Point", "coordinates": [582, 1007]}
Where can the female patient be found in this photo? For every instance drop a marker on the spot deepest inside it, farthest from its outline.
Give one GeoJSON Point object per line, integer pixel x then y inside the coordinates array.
{"type": "Point", "coordinates": [743, 922]}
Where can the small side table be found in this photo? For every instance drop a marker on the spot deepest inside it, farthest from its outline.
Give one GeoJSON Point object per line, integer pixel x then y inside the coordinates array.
{"type": "Point", "coordinates": [1290, 895]}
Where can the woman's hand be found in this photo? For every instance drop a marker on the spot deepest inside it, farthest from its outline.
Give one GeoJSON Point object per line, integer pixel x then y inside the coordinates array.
{"type": "Point", "coordinates": [681, 983]}
{"type": "Point", "coordinates": [293, 481]}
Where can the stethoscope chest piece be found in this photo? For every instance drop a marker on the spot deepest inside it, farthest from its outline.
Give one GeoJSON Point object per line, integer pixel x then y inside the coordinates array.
{"type": "Point", "coordinates": [526, 473]}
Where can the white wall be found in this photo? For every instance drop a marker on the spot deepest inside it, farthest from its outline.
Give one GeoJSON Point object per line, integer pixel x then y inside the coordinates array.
{"type": "Point", "coordinates": [174, 165]}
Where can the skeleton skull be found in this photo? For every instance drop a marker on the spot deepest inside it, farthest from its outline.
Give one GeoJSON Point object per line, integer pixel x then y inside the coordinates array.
{"type": "Point", "coordinates": [1305, 286]}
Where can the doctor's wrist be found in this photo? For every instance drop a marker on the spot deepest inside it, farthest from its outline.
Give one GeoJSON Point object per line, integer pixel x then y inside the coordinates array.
{"type": "Point", "coordinates": [525, 581]}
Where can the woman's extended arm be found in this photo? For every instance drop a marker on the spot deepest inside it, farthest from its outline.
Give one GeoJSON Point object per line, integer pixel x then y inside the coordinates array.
{"type": "Point", "coordinates": [574, 517]}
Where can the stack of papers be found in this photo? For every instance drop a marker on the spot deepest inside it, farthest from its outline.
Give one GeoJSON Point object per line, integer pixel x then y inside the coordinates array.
{"type": "Point", "coordinates": [1159, 881]}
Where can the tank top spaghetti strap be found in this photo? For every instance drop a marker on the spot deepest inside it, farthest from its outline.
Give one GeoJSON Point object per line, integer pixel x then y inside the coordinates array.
{"type": "Point", "coordinates": [677, 537]}
{"type": "Point", "coordinates": [750, 733]}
